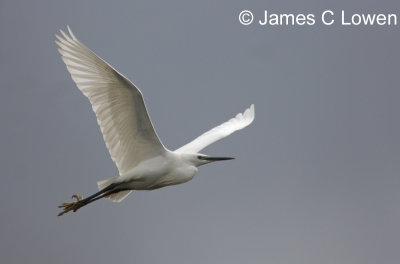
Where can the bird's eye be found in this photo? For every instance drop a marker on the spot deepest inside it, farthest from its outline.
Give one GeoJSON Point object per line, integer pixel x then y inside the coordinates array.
{"type": "Point", "coordinates": [199, 157]}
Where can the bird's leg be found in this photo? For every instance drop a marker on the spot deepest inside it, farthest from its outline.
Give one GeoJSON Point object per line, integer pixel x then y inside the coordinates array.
{"type": "Point", "coordinates": [80, 202]}
{"type": "Point", "coordinates": [109, 187]}
{"type": "Point", "coordinates": [86, 202]}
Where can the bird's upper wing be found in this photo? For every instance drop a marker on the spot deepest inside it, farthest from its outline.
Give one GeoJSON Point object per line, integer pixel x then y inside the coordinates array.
{"type": "Point", "coordinates": [118, 104]}
{"type": "Point", "coordinates": [225, 129]}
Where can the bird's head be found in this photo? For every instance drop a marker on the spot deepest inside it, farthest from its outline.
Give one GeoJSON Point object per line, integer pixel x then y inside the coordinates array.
{"type": "Point", "coordinates": [198, 159]}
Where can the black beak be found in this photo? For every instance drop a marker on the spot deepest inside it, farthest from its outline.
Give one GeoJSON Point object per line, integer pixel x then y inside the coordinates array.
{"type": "Point", "coordinates": [216, 158]}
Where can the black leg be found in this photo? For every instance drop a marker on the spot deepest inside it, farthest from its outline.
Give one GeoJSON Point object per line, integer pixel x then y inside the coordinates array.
{"type": "Point", "coordinates": [74, 206]}
{"type": "Point", "coordinates": [86, 201]}
{"type": "Point", "coordinates": [108, 188]}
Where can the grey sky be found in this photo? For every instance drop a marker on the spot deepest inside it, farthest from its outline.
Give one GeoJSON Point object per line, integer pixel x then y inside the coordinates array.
{"type": "Point", "coordinates": [316, 176]}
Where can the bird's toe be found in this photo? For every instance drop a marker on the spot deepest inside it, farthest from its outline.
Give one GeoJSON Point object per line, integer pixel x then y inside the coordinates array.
{"type": "Point", "coordinates": [77, 197]}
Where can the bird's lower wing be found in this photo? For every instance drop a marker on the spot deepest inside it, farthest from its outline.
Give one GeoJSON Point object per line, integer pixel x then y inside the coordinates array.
{"type": "Point", "coordinates": [119, 106]}
{"type": "Point", "coordinates": [225, 129]}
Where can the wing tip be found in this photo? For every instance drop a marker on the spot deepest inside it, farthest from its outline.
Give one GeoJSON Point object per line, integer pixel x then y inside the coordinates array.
{"type": "Point", "coordinates": [71, 33]}
{"type": "Point", "coordinates": [249, 114]}
{"type": "Point", "coordinates": [70, 37]}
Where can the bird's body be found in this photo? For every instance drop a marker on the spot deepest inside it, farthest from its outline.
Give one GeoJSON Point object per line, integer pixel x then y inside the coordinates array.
{"type": "Point", "coordinates": [142, 160]}
{"type": "Point", "coordinates": [167, 169]}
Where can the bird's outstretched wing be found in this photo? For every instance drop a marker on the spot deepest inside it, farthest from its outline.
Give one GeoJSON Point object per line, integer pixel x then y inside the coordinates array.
{"type": "Point", "coordinates": [118, 104]}
{"type": "Point", "coordinates": [225, 129]}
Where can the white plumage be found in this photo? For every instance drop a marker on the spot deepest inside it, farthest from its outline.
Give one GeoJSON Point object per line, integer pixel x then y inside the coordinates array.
{"type": "Point", "coordinates": [142, 160]}
{"type": "Point", "coordinates": [225, 129]}
{"type": "Point", "coordinates": [118, 104]}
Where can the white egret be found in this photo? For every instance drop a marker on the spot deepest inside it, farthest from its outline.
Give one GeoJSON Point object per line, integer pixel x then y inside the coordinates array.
{"type": "Point", "coordinates": [142, 160]}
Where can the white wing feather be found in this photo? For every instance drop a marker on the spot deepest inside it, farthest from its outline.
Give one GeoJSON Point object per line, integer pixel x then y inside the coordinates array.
{"type": "Point", "coordinates": [225, 129]}
{"type": "Point", "coordinates": [118, 104]}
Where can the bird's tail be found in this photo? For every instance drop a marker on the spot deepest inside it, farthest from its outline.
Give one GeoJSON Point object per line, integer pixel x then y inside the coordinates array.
{"type": "Point", "coordinates": [115, 197]}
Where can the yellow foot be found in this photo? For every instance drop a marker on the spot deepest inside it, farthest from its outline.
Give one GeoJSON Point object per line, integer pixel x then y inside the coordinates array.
{"type": "Point", "coordinates": [72, 205]}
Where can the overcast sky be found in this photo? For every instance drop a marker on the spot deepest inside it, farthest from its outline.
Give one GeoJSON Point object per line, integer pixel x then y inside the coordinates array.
{"type": "Point", "coordinates": [316, 176]}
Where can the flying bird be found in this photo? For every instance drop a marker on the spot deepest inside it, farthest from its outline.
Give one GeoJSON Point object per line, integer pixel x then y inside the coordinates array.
{"type": "Point", "coordinates": [142, 160]}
